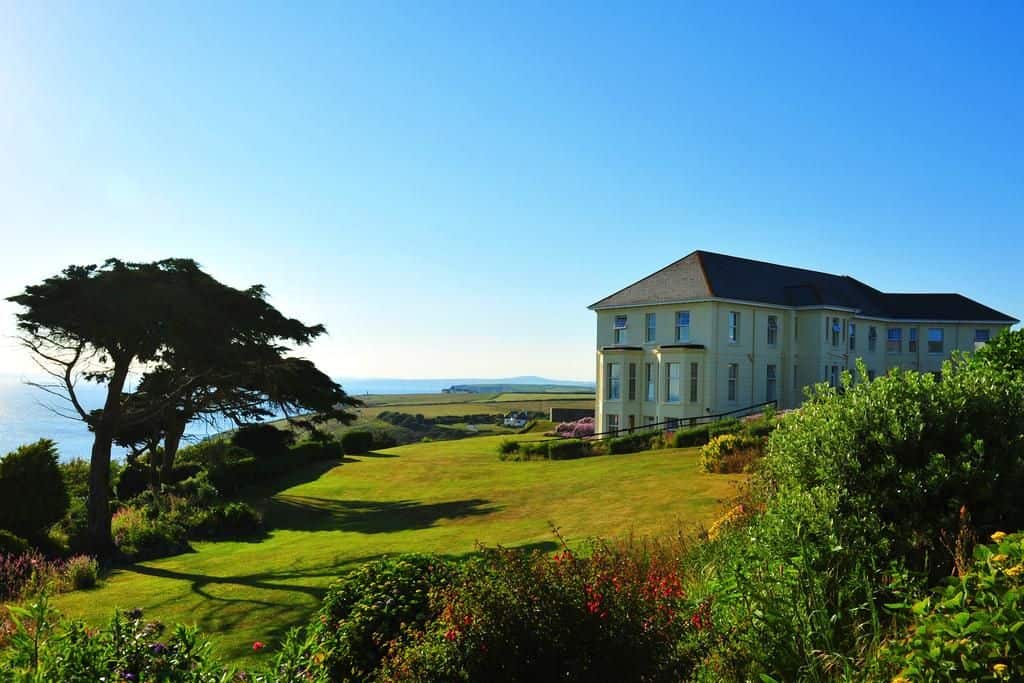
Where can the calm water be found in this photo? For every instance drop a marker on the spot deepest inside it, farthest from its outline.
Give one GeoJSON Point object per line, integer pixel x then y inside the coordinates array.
{"type": "Point", "coordinates": [26, 415]}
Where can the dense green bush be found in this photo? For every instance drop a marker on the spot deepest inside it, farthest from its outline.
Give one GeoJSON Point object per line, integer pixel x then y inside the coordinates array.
{"type": "Point", "coordinates": [138, 537]}
{"type": "Point", "coordinates": [885, 467]}
{"type": "Point", "coordinates": [236, 520]}
{"type": "Point", "coordinates": [568, 449]}
{"type": "Point", "coordinates": [730, 453]}
{"type": "Point", "coordinates": [971, 627]}
{"type": "Point", "coordinates": [690, 436]}
{"type": "Point", "coordinates": [356, 441]}
{"type": "Point", "coordinates": [81, 572]}
{"type": "Point", "coordinates": [12, 544]}
{"type": "Point", "coordinates": [631, 443]}
{"type": "Point", "coordinates": [33, 495]}
{"type": "Point", "coordinates": [760, 428]}
{"type": "Point", "coordinates": [515, 616]}
{"type": "Point", "coordinates": [508, 446]}
{"type": "Point", "coordinates": [371, 609]}
{"type": "Point", "coordinates": [311, 451]}
{"type": "Point", "coordinates": [229, 467]}
{"type": "Point", "coordinates": [729, 425]}
{"type": "Point", "coordinates": [263, 440]}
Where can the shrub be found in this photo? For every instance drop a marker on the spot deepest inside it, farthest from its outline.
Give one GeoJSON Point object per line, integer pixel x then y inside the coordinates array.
{"type": "Point", "coordinates": [228, 467]}
{"type": "Point", "coordinates": [11, 544]}
{"type": "Point", "coordinates": [310, 451]}
{"type": "Point", "coordinates": [139, 538]}
{"type": "Point", "coordinates": [730, 453]}
{"type": "Point", "coordinates": [230, 521]}
{"type": "Point", "coordinates": [356, 441]}
{"type": "Point", "coordinates": [80, 572]}
{"type": "Point", "coordinates": [631, 443]}
{"type": "Point", "coordinates": [517, 616]}
{"type": "Point", "coordinates": [508, 446]}
{"type": "Point", "coordinates": [568, 449]}
{"type": "Point", "coordinates": [263, 440]}
{"type": "Point", "coordinates": [371, 609]}
{"type": "Point", "coordinates": [44, 647]}
{"type": "Point", "coordinates": [760, 428]}
{"type": "Point", "coordinates": [690, 436]}
{"type": "Point", "coordinates": [886, 466]}
{"type": "Point", "coordinates": [32, 492]}
{"type": "Point", "coordinates": [970, 628]}
{"type": "Point", "coordinates": [729, 425]}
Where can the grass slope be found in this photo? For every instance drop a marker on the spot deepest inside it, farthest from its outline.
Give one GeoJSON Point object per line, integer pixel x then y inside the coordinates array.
{"type": "Point", "coordinates": [439, 497]}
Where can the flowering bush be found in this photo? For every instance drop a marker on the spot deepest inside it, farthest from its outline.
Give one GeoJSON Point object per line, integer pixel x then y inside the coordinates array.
{"type": "Point", "coordinates": [618, 614]}
{"type": "Point", "coordinates": [580, 429]}
{"type": "Point", "coordinates": [729, 453]}
{"type": "Point", "coordinates": [138, 537]}
{"type": "Point", "coordinates": [29, 574]}
{"type": "Point", "coordinates": [43, 647]}
{"type": "Point", "coordinates": [970, 628]}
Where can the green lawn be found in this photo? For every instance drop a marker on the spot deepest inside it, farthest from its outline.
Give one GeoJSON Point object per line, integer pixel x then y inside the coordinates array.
{"type": "Point", "coordinates": [439, 497]}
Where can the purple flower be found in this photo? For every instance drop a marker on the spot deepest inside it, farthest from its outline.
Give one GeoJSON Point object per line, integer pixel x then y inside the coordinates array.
{"type": "Point", "coordinates": [129, 676]}
{"type": "Point", "coordinates": [158, 648]}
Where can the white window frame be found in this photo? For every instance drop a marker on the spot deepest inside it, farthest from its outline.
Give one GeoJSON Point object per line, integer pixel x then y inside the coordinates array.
{"type": "Point", "coordinates": [612, 420]}
{"type": "Point", "coordinates": [912, 346]}
{"type": "Point", "coordinates": [734, 327]}
{"type": "Point", "coordinates": [872, 339]}
{"type": "Point", "coordinates": [773, 330]}
{"type": "Point", "coordinates": [631, 382]}
{"type": "Point", "coordinates": [652, 382]}
{"type": "Point", "coordinates": [620, 332]}
{"type": "Point", "coordinates": [650, 327]}
{"type": "Point", "coordinates": [941, 341]}
{"type": "Point", "coordinates": [890, 339]}
{"type": "Point", "coordinates": [837, 331]}
{"type": "Point", "coordinates": [694, 382]}
{"type": "Point", "coordinates": [683, 326]}
{"type": "Point", "coordinates": [614, 382]}
{"type": "Point", "coordinates": [853, 336]}
{"type": "Point", "coordinates": [677, 380]}
{"type": "Point", "coordinates": [733, 382]}
{"type": "Point", "coordinates": [771, 382]}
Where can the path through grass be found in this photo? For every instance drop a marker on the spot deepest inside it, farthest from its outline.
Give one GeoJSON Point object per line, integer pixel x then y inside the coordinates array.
{"type": "Point", "coordinates": [436, 497]}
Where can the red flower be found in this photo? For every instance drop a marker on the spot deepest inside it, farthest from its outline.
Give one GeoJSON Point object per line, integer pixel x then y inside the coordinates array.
{"type": "Point", "coordinates": [452, 634]}
{"type": "Point", "coordinates": [258, 645]}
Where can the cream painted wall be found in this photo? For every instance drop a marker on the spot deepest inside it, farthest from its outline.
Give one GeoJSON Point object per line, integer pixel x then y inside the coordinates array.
{"type": "Point", "coordinates": [803, 351]}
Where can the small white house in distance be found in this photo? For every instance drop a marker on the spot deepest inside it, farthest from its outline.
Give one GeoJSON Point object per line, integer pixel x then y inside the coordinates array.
{"type": "Point", "coordinates": [516, 419]}
{"type": "Point", "coordinates": [713, 333]}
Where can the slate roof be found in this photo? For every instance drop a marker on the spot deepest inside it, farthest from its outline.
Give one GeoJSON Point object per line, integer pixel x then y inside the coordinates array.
{"type": "Point", "coordinates": [706, 275]}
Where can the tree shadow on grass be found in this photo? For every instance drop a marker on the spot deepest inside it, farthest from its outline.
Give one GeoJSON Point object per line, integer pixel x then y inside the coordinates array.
{"type": "Point", "coordinates": [374, 454]}
{"type": "Point", "coordinates": [307, 513]}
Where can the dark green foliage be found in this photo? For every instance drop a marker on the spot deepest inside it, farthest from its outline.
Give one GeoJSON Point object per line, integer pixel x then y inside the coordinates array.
{"type": "Point", "coordinates": [311, 451]}
{"type": "Point", "coordinates": [729, 425]}
{"type": "Point", "coordinates": [46, 648]}
{"type": "Point", "coordinates": [12, 544]}
{"type": "Point", "coordinates": [690, 436]}
{"type": "Point", "coordinates": [263, 440]}
{"type": "Point", "coordinates": [33, 496]}
{"type": "Point", "coordinates": [228, 467]}
{"type": "Point", "coordinates": [760, 428]}
{"type": "Point", "coordinates": [970, 627]}
{"type": "Point", "coordinates": [508, 446]}
{"type": "Point", "coordinates": [356, 441]}
{"type": "Point", "coordinates": [568, 449]}
{"type": "Point", "coordinates": [140, 536]}
{"type": "Point", "coordinates": [235, 520]}
{"type": "Point", "coordinates": [1005, 352]}
{"type": "Point", "coordinates": [631, 443]}
{"type": "Point", "coordinates": [379, 602]}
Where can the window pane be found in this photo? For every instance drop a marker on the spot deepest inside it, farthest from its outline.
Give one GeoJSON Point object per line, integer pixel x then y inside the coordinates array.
{"type": "Point", "coordinates": [693, 382]}
{"type": "Point", "coordinates": [620, 322]}
{"type": "Point", "coordinates": [651, 327]}
{"type": "Point", "coordinates": [981, 335]}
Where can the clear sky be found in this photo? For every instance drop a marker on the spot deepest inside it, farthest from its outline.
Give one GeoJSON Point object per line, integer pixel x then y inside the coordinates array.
{"type": "Point", "coordinates": [447, 186]}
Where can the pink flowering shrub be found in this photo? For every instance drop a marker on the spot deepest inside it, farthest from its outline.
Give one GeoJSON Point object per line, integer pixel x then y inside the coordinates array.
{"type": "Point", "coordinates": [582, 428]}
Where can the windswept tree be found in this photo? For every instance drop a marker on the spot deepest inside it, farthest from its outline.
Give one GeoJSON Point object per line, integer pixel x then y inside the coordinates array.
{"type": "Point", "coordinates": [98, 323]}
{"type": "Point", "coordinates": [254, 384]}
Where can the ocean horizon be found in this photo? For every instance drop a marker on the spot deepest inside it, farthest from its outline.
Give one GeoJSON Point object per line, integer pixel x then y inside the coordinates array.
{"type": "Point", "coordinates": [27, 413]}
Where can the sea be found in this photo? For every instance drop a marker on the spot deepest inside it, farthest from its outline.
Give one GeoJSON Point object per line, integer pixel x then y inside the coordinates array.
{"type": "Point", "coordinates": [28, 413]}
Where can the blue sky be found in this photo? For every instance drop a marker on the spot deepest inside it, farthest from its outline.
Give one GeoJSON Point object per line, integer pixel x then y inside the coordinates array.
{"type": "Point", "coordinates": [447, 186]}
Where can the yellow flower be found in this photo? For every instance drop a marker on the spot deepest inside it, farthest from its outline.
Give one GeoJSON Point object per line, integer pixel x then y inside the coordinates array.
{"type": "Point", "coordinates": [998, 536]}
{"type": "Point", "coordinates": [1000, 670]}
{"type": "Point", "coordinates": [1015, 570]}
{"type": "Point", "coordinates": [1000, 558]}
{"type": "Point", "coordinates": [900, 679]}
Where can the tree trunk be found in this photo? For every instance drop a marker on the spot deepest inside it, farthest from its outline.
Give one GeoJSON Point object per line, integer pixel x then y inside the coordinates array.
{"type": "Point", "coordinates": [172, 439]}
{"type": "Point", "coordinates": [101, 542]}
